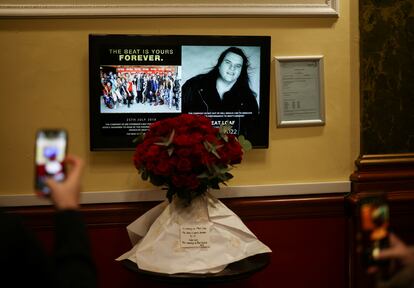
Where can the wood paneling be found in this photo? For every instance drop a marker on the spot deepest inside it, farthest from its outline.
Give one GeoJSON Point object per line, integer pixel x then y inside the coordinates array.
{"type": "Point", "coordinates": [305, 233]}
{"type": "Point", "coordinates": [394, 175]}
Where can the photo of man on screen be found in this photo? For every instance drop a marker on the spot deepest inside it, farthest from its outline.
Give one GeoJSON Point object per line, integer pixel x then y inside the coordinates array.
{"type": "Point", "coordinates": [223, 93]}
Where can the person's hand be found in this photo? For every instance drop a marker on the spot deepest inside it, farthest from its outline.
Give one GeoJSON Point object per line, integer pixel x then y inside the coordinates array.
{"type": "Point", "coordinates": [398, 253]}
{"type": "Point", "coordinates": [66, 194]}
{"type": "Point", "coordinates": [403, 270]}
{"type": "Point", "coordinates": [398, 250]}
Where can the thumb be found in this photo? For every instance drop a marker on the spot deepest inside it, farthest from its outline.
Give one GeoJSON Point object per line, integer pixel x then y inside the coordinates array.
{"type": "Point", "coordinates": [52, 184]}
{"type": "Point", "coordinates": [388, 253]}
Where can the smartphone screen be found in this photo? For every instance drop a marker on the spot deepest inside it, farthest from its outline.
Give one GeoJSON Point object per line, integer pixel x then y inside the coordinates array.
{"type": "Point", "coordinates": [50, 155]}
{"type": "Point", "coordinates": [374, 220]}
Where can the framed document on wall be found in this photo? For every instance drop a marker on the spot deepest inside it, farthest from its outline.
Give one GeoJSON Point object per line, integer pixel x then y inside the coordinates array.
{"type": "Point", "coordinates": [136, 80]}
{"type": "Point", "coordinates": [300, 91]}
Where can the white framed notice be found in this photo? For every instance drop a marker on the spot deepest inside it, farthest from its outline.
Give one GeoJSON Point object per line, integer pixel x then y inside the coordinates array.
{"type": "Point", "coordinates": [300, 91]}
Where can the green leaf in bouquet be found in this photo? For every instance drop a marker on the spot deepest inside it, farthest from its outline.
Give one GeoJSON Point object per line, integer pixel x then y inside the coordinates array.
{"type": "Point", "coordinates": [246, 144]}
{"type": "Point", "coordinates": [144, 175]}
{"type": "Point", "coordinates": [219, 170]}
{"type": "Point", "coordinates": [214, 171]}
{"type": "Point", "coordinates": [212, 148]}
{"type": "Point", "coordinates": [223, 177]}
{"type": "Point", "coordinates": [139, 138]}
{"type": "Point", "coordinates": [170, 194]}
{"type": "Point", "coordinates": [167, 141]}
{"type": "Point", "coordinates": [203, 175]}
{"type": "Point", "coordinates": [156, 180]}
{"type": "Point", "coordinates": [224, 130]}
{"type": "Point", "coordinates": [215, 183]}
{"type": "Point", "coordinates": [170, 151]}
{"type": "Point", "coordinates": [228, 176]}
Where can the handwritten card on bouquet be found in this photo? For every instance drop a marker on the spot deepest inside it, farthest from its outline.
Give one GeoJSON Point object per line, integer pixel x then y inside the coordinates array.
{"type": "Point", "coordinates": [195, 236]}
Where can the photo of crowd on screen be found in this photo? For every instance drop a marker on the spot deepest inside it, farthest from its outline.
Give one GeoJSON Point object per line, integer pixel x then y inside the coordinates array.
{"type": "Point", "coordinates": [140, 89]}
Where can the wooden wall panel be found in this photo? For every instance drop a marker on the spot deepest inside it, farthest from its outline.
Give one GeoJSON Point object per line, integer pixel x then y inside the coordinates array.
{"type": "Point", "coordinates": [392, 174]}
{"type": "Point", "coordinates": [305, 233]}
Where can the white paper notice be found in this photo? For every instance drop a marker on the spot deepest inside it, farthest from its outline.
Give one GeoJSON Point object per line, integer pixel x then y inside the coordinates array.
{"type": "Point", "coordinates": [300, 90]}
{"type": "Point", "coordinates": [195, 236]}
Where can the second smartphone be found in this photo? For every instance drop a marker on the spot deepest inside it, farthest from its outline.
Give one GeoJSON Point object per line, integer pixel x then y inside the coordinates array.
{"type": "Point", "coordinates": [50, 153]}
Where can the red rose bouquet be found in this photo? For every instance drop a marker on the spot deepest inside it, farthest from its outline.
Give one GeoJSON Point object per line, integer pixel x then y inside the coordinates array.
{"type": "Point", "coordinates": [187, 155]}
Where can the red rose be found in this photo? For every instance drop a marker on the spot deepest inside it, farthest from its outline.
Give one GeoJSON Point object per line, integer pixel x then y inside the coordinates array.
{"type": "Point", "coordinates": [162, 168]}
{"type": "Point", "coordinates": [184, 165]}
{"type": "Point", "coordinates": [178, 181]}
{"type": "Point", "coordinates": [183, 152]}
{"type": "Point", "coordinates": [153, 151]}
{"type": "Point", "coordinates": [208, 159]}
{"type": "Point", "coordinates": [235, 152]}
{"type": "Point", "coordinates": [190, 182]}
{"type": "Point", "coordinates": [211, 138]}
{"type": "Point", "coordinates": [182, 140]}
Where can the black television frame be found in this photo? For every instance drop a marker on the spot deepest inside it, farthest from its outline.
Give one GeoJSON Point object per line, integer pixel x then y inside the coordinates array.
{"type": "Point", "coordinates": [114, 130]}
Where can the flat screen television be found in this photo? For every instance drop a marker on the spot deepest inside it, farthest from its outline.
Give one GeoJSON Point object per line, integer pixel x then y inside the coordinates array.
{"type": "Point", "coordinates": [136, 80]}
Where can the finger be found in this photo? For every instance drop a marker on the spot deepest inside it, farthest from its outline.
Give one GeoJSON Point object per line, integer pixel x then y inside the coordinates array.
{"type": "Point", "coordinates": [394, 240]}
{"type": "Point", "coordinates": [389, 253]}
{"type": "Point", "coordinates": [52, 184]}
{"type": "Point", "coordinates": [72, 160]}
{"type": "Point", "coordinates": [77, 166]}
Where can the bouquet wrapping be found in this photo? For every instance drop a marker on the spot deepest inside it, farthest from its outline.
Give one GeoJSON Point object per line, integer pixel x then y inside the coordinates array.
{"type": "Point", "coordinates": [156, 237]}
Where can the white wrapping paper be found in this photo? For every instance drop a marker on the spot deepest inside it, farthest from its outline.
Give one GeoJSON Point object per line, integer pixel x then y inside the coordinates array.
{"type": "Point", "coordinates": [156, 238]}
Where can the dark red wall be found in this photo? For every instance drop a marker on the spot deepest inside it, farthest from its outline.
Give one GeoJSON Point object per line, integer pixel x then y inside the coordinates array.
{"type": "Point", "coordinates": [306, 234]}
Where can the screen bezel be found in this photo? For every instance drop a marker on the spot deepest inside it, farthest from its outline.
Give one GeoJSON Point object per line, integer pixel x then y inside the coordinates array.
{"type": "Point", "coordinates": [100, 141]}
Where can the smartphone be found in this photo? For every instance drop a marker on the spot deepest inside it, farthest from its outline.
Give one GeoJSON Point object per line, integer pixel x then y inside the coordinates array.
{"type": "Point", "coordinates": [50, 153]}
{"type": "Point", "coordinates": [374, 218]}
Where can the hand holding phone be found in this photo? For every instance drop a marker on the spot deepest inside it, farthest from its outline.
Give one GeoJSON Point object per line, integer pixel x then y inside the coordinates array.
{"type": "Point", "coordinates": [66, 195]}
{"type": "Point", "coordinates": [398, 250]}
{"type": "Point", "coordinates": [374, 228]}
{"type": "Point", "coordinates": [50, 153]}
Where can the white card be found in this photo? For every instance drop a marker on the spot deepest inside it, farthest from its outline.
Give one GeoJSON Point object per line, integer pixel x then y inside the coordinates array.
{"type": "Point", "coordinates": [195, 236]}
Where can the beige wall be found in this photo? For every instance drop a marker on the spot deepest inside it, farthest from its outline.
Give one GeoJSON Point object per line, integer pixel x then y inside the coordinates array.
{"type": "Point", "coordinates": [44, 82]}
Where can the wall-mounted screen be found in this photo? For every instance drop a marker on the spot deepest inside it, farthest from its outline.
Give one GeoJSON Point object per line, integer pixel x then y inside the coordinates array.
{"type": "Point", "coordinates": [136, 80]}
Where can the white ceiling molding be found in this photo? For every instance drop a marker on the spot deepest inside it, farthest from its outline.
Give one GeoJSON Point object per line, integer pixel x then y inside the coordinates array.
{"type": "Point", "coordinates": [48, 9]}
